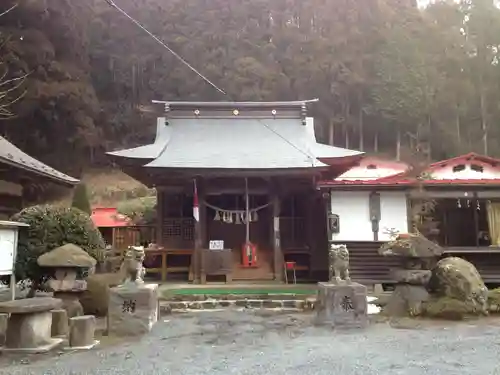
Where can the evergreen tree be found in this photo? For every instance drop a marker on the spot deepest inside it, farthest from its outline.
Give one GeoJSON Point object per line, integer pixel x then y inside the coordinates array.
{"type": "Point", "coordinates": [81, 199]}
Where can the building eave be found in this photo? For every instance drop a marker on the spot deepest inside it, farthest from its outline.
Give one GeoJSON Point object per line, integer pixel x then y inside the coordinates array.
{"type": "Point", "coordinates": [12, 156]}
{"type": "Point", "coordinates": [179, 104]}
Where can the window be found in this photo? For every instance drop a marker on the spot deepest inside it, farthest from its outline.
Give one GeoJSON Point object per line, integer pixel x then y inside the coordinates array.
{"type": "Point", "coordinates": [477, 168]}
{"type": "Point", "coordinates": [371, 166]}
{"type": "Point", "coordinates": [458, 168]}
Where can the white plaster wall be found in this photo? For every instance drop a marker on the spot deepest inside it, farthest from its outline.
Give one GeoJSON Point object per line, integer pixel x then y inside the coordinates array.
{"type": "Point", "coordinates": [393, 214]}
{"type": "Point", "coordinates": [353, 210]}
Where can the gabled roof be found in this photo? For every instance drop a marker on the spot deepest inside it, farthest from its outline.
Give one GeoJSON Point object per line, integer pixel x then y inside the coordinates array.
{"type": "Point", "coordinates": [373, 168]}
{"type": "Point", "coordinates": [10, 154]}
{"type": "Point", "coordinates": [271, 135]}
{"type": "Point", "coordinates": [465, 158]}
{"type": "Point", "coordinates": [441, 173]}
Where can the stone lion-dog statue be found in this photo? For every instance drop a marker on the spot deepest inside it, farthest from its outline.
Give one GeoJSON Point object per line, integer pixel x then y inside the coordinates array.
{"type": "Point", "coordinates": [338, 263]}
{"type": "Point", "coordinates": [132, 265]}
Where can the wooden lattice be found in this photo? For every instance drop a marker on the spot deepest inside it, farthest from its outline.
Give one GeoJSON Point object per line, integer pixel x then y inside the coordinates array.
{"type": "Point", "coordinates": [178, 232]}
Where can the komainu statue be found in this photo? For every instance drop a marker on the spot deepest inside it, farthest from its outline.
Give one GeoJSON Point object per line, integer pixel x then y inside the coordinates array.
{"type": "Point", "coordinates": [338, 263]}
{"type": "Point", "coordinates": [132, 265]}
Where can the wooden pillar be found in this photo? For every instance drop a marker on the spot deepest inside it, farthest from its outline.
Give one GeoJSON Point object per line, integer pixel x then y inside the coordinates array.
{"type": "Point", "coordinates": [277, 253]}
{"type": "Point", "coordinates": [309, 229]}
{"type": "Point", "coordinates": [199, 230]}
{"type": "Point", "coordinates": [159, 216]}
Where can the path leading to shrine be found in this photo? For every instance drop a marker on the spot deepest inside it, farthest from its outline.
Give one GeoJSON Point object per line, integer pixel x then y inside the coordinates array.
{"type": "Point", "coordinates": [249, 343]}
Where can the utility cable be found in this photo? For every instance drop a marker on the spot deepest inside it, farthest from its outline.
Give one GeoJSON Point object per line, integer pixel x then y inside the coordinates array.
{"type": "Point", "coordinates": [113, 5]}
{"type": "Point", "coordinates": [179, 57]}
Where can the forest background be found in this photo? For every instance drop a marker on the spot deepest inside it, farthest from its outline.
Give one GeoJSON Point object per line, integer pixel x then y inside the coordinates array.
{"type": "Point", "coordinates": [391, 76]}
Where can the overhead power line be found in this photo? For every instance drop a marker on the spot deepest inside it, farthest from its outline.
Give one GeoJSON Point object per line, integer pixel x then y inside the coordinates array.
{"type": "Point", "coordinates": [113, 5]}
{"type": "Point", "coordinates": [179, 57]}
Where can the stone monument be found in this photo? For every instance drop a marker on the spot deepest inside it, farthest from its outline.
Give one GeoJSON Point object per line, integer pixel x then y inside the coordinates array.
{"type": "Point", "coordinates": [67, 265]}
{"type": "Point", "coordinates": [341, 303]}
{"type": "Point", "coordinates": [133, 306]}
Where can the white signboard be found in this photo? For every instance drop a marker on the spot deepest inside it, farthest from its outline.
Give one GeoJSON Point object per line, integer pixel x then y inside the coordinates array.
{"type": "Point", "coordinates": [216, 245]}
{"type": "Point", "coordinates": [7, 250]}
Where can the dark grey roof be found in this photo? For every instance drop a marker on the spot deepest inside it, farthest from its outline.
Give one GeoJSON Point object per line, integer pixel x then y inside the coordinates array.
{"type": "Point", "coordinates": [150, 151]}
{"type": "Point", "coordinates": [10, 154]}
{"type": "Point", "coordinates": [297, 103]}
{"type": "Point", "coordinates": [235, 143]}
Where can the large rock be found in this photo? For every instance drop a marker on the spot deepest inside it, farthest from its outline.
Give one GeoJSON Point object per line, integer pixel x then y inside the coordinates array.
{"type": "Point", "coordinates": [458, 279]}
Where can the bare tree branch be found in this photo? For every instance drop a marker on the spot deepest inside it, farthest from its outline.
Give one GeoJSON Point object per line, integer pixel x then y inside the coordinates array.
{"type": "Point", "coordinates": [12, 84]}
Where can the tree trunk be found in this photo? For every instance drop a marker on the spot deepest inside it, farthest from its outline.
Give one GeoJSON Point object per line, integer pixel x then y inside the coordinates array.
{"type": "Point", "coordinates": [375, 142]}
{"type": "Point", "coordinates": [347, 111]}
{"type": "Point", "coordinates": [457, 127]}
{"type": "Point", "coordinates": [331, 133]}
{"type": "Point", "coordinates": [398, 145]}
{"type": "Point", "coordinates": [484, 125]}
{"type": "Point", "coordinates": [360, 123]}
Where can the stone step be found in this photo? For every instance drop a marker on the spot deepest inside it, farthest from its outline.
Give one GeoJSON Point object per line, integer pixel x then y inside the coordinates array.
{"type": "Point", "coordinates": [253, 303]}
{"type": "Point", "coordinates": [236, 297]}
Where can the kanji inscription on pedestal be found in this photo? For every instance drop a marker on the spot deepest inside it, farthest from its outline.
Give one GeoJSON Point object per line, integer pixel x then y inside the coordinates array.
{"type": "Point", "coordinates": [342, 304]}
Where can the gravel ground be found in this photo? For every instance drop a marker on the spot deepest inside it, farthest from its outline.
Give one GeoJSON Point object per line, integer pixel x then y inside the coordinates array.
{"type": "Point", "coordinates": [250, 343]}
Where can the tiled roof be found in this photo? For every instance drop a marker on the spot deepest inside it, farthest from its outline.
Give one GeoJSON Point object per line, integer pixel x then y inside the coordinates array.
{"type": "Point", "coordinates": [108, 217]}
{"type": "Point", "coordinates": [10, 154]}
{"type": "Point", "coordinates": [239, 143]}
{"type": "Point", "coordinates": [402, 178]}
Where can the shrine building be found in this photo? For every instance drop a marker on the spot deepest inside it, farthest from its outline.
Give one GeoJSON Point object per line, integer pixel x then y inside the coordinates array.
{"type": "Point", "coordinates": [237, 189]}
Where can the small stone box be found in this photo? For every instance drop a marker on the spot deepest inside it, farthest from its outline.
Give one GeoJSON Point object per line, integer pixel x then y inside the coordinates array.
{"type": "Point", "coordinates": [342, 305]}
{"type": "Point", "coordinates": [132, 309]}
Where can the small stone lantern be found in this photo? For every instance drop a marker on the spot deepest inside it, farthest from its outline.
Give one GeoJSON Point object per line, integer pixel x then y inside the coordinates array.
{"type": "Point", "coordinates": [68, 263]}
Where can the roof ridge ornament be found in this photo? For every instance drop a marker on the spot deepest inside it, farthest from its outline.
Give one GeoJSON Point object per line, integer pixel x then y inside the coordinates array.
{"type": "Point", "coordinates": [303, 113]}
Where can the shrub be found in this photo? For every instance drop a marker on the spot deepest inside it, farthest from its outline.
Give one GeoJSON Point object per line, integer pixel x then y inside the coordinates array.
{"type": "Point", "coordinates": [140, 210]}
{"type": "Point", "coordinates": [51, 227]}
{"type": "Point", "coordinates": [81, 199]}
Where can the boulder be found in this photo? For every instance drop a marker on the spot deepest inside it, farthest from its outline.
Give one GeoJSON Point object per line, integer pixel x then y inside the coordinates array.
{"type": "Point", "coordinates": [458, 279]}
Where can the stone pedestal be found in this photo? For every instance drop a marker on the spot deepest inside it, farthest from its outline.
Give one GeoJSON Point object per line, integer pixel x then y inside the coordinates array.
{"type": "Point", "coordinates": [410, 292]}
{"type": "Point", "coordinates": [59, 323]}
{"type": "Point", "coordinates": [132, 309]}
{"type": "Point", "coordinates": [4, 318]}
{"type": "Point", "coordinates": [342, 305]}
{"type": "Point", "coordinates": [29, 325]}
{"type": "Point", "coordinates": [81, 332]}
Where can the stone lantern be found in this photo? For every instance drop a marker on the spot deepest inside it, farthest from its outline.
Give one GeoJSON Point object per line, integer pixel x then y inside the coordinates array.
{"type": "Point", "coordinates": [68, 264]}
{"type": "Point", "coordinates": [418, 257]}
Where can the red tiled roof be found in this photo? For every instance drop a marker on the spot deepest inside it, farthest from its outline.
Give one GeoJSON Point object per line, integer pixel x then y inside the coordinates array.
{"type": "Point", "coordinates": [470, 155]}
{"type": "Point", "coordinates": [108, 217]}
{"type": "Point", "coordinates": [406, 182]}
{"type": "Point", "coordinates": [400, 179]}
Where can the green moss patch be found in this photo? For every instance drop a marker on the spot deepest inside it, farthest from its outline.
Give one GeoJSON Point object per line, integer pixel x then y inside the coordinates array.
{"type": "Point", "coordinates": [449, 309]}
